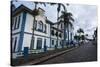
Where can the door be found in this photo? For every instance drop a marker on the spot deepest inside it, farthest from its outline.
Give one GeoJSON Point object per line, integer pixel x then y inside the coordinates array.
{"type": "Point", "coordinates": [39, 43]}
{"type": "Point", "coordinates": [45, 47]}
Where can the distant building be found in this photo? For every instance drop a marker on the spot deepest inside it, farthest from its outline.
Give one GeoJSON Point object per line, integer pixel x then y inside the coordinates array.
{"type": "Point", "coordinates": [46, 34]}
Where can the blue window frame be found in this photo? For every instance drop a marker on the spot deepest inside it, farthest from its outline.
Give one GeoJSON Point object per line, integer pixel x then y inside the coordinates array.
{"type": "Point", "coordinates": [12, 23]}
{"type": "Point", "coordinates": [18, 23]}
{"type": "Point", "coordinates": [40, 26]}
{"type": "Point", "coordinates": [45, 29]}
{"type": "Point", "coordinates": [15, 23]}
{"type": "Point", "coordinates": [15, 42]}
{"type": "Point", "coordinates": [52, 42]}
{"type": "Point", "coordinates": [12, 40]}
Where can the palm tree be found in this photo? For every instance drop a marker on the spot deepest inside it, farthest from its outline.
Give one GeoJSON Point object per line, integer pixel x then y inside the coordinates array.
{"type": "Point", "coordinates": [58, 10]}
{"type": "Point", "coordinates": [81, 33]}
{"type": "Point", "coordinates": [66, 17]}
{"type": "Point", "coordinates": [80, 30]}
{"type": "Point", "coordinates": [35, 13]}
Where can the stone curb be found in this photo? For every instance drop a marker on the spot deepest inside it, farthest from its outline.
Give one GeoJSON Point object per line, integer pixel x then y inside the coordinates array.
{"type": "Point", "coordinates": [37, 61]}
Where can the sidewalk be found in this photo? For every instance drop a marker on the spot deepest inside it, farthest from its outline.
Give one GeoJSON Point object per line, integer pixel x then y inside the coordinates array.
{"type": "Point", "coordinates": [37, 61]}
{"type": "Point", "coordinates": [34, 59]}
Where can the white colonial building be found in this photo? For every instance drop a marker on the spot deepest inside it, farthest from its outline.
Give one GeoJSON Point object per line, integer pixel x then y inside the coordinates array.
{"type": "Point", "coordinates": [44, 35]}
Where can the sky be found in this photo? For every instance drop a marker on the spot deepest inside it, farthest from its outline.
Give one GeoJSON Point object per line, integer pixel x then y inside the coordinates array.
{"type": "Point", "coordinates": [85, 16]}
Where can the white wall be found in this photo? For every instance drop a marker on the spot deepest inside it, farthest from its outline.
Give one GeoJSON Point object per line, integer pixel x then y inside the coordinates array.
{"type": "Point", "coordinates": [29, 24]}
{"type": "Point", "coordinates": [26, 41]}
{"type": "Point", "coordinates": [28, 28]}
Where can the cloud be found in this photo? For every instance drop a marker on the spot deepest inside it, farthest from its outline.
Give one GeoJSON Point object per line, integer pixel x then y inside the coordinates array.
{"type": "Point", "coordinates": [85, 15]}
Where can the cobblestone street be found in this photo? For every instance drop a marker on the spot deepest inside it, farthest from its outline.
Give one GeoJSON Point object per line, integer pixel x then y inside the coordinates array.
{"type": "Point", "coordinates": [86, 52]}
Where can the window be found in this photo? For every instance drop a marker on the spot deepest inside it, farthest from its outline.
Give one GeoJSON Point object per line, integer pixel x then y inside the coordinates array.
{"type": "Point", "coordinates": [15, 23]}
{"type": "Point", "coordinates": [32, 43]}
{"type": "Point", "coordinates": [56, 33]}
{"type": "Point", "coordinates": [40, 26]}
{"type": "Point", "coordinates": [39, 43]}
{"type": "Point", "coordinates": [12, 23]}
{"type": "Point", "coordinates": [12, 44]}
{"type": "Point", "coordinates": [18, 23]}
{"type": "Point", "coordinates": [52, 42]}
{"type": "Point", "coordinates": [61, 43]}
{"type": "Point", "coordinates": [45, 29]}
{"type": "Point", "coordinates": [60, 35]}
{"type": "Point", "coordinates": [61, 26]}
{"type": "Point", "coordinates": [52, 32]}
{"type": "Point", "coordinates": [15, 44]}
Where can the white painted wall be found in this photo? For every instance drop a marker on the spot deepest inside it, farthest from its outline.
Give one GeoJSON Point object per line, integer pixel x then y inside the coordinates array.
{"type": "Point", "coordinates": [29, 24]}
{"type": "Point", "coordinates": [26, 41]}
{"type": "Point", "coordinates": [28, 28]}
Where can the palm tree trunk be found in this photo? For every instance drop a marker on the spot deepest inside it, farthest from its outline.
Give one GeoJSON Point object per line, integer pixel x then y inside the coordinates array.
{"type": "Point", "coordinates": [64, 35]}
{"type": "Point", "coordinates": [33, 28]}
{"type": "Point", "coordinates": [71, 35]}
{"type": "Point", "coordinates": [50, 35]}
{"type": "Point", "coordinates": [57, 27]}
{"type": "Point", "coordinates": [68, 33]}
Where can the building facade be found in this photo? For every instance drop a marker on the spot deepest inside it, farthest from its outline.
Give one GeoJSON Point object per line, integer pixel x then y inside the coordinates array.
{"type": "Point", "coordinates": [38, 36]}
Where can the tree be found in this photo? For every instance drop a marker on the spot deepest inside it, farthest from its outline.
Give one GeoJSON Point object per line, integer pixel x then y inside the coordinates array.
{"type": "Point", "coordinates": [82, 37]}
{"type": "Point", "coordinates": [58, 10]}
{"type": "Point", "coordinates": [35, 13]}
{"type": "Point", "coordinates": [81, 34]}
{"type": "Point", "coordinates": [67, 19]}
{"type": "Point", "coordinates": [80, 31]}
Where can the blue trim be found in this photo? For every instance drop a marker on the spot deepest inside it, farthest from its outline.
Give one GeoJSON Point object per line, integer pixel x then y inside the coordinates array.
{"type": "Point", "coordinates": [15, 23]}
{"type": "Point", "coordinates": [16, 33]}
{"type": "Point", "coordinates": [36, 34]}
{"type": "Point", "coordinates": [28, 33]}
{"type": "Point", "coordinates": [22, 32]}
{"type": "Point", "coordinates": [18, 22]}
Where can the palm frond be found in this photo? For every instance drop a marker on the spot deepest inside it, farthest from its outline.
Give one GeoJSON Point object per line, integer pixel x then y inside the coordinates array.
{"type": "Point", "coordinates": [63, 7]}
{"type": "Point", "coordinates": [43, 3]}
{"type": "Point", "coordinates": [69, 14]}
{"type": "Point", "coordinates": [70, 18]}
{"type": "Point", "coordinates": [52, 3]}
{"type": "Point", "coordinates": [59, 8]}
{"type": "Point", "coordinates": [36, 2]}
{"type": "Point", "coordinates": [80, 30]}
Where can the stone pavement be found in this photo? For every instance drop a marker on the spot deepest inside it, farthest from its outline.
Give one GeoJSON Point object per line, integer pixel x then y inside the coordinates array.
{"type": "Point", "coordinates": [86, 52]}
